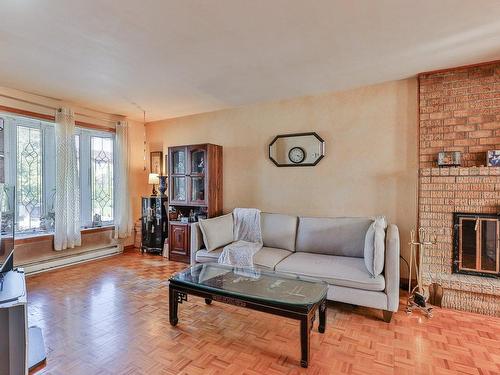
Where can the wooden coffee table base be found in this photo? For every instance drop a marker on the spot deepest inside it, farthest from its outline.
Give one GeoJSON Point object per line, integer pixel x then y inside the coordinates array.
{"type": "Point", "coordinates": [304, 313]}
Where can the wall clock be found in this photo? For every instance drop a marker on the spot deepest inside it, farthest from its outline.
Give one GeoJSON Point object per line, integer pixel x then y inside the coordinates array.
{"type": "Point", "coordinates": [297, 150]}
{"type": "Point", "coordinates": [296, 155]}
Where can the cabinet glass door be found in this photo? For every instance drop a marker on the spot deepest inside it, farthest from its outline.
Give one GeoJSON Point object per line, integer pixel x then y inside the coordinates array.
{"type": "Point", "coordinates": [198, 161]}
{"type": "Point", "coordinates": [179, 189]}
{"type": "Point", "coordinates": [178, 162]}
{"type": "Point", "coordinates": [197, 189]}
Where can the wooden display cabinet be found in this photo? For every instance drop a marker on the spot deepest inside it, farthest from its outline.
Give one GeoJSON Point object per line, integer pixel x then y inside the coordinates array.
{"type": "Point", "coordinates": [195, 183]}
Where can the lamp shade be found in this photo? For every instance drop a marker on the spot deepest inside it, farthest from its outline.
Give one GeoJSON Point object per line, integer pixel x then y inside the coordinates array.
{"type": "Point", "coordinates": [153, 179]}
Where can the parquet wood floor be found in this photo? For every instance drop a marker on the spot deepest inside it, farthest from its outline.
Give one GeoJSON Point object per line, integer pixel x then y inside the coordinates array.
{"type": "Point", "coordinates": [111, 317]}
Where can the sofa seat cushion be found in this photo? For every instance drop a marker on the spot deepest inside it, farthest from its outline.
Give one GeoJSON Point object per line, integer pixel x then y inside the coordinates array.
{"type": "Point", "coordinates": [335, 270]}
{"type": "Point", "coordinates": [266, 257]}
{"type": "Point", "coordinates": [204, 256]}
{"type": "Point", "coordinates": [269, 257]}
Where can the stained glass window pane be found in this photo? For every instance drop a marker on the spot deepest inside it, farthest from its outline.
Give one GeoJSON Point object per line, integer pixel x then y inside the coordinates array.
{"type": "Point", "coordinates": [29, 177]}
{"type": "Point", "coordinates": [102, 178]}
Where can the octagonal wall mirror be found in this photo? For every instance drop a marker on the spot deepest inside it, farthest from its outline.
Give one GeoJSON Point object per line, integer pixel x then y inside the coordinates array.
{"type": "Point", "coordinates": [297, 150]}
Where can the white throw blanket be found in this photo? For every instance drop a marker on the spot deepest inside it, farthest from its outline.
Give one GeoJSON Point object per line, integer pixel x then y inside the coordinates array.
{"type": "Point", "coordinates": [247, 238]}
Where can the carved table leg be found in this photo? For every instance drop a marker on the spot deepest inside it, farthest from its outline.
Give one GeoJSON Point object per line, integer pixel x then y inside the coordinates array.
{"type": "Point", "coordinates": [173, 306]}
{"type": "Point", "coordinates": [305, 328]}
{"type": "Point", "coordinates": [322, 316]}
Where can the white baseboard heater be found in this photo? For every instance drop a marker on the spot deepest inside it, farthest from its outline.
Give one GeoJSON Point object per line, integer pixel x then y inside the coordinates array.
{"type": "Point", "coordinates": [69, 260]}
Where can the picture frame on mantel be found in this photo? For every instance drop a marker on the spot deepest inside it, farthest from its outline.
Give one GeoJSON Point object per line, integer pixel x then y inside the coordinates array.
{"type": "Point", "coordinates": [449, 159]}
{"type": "Point", "coordinates": [156, 162]}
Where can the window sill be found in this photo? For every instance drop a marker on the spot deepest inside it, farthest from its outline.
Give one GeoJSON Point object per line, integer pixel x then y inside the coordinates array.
{"type": "Point", "coordinates": [35, 237]}
{"type": "Point", "coordinates": [98, 229]}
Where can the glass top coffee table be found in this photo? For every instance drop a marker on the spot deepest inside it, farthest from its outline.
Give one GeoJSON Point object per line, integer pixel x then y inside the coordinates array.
{"type": "Point", "coordinates": [287, 295]}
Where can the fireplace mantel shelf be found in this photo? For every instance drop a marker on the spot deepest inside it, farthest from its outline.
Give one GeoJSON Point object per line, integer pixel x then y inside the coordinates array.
{"type": "Point", "coordinates": [460, 171]}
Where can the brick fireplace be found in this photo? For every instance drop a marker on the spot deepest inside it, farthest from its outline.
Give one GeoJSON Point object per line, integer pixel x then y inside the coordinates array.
{"type": "Point", "coordinates": [459, 111]}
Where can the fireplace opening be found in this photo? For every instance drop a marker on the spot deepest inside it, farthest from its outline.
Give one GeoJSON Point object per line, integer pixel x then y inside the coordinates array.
{"type": "Point", "coordinates": [476, 244]}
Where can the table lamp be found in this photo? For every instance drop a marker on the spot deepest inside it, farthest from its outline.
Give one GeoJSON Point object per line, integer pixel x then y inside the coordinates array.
{"type": "Point", "coordinates": [153, 180]}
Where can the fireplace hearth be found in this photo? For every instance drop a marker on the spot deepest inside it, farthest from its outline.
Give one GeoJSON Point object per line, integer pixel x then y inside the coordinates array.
{"type": "Point", "coordinates": [476, 244]}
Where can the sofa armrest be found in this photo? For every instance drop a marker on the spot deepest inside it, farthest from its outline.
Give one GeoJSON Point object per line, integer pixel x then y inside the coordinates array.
{"type": "Point", "coordinates": [196, 241]}
{"type": "Point", "coordinates": [391, 272]}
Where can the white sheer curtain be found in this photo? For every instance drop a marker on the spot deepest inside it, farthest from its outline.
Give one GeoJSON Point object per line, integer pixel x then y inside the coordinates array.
{"type": "Point", "coordinates": [123, 214]}
{"type": "Point", "coordinates": [67, 203]}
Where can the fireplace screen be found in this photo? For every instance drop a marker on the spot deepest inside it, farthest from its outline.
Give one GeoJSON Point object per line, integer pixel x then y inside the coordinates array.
{"type": "Point", "coordinates": [476, 245]}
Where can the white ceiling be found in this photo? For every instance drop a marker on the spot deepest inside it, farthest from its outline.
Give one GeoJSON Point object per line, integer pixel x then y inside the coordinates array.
{"type": "Point", "coordinates": [176, 58]}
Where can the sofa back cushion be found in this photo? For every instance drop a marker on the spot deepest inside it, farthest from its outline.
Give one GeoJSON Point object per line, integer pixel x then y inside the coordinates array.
{"type": "Point", "coordinates": [278, 230]}
{"type": "Point", "coordinates": [217, 232]}
{"type": "Point", "coordinates": [374, 251]}
{"type": "Point", "coordinates": [343, 236]}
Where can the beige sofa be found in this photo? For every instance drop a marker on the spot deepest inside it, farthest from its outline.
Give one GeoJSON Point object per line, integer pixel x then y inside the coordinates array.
{"type": "Point", "coordinates": [331, 249]}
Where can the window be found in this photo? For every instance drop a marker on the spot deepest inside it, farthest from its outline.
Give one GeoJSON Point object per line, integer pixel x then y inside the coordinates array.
{"type": "Point", "coordinates": [95, 155]}
{"type": "Point", "coordinates": [102, 177]}
{"type": "Point", "coordinates": [30, 167]}
{"type": "Point", "coordinates": [29, 177]}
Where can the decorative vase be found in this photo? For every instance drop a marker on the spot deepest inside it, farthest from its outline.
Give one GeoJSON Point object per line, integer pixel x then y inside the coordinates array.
{"type": "Point", "coordinates": [163, 184]}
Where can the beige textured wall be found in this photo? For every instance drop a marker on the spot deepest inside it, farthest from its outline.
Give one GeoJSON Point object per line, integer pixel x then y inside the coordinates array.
{"type": "Point", "coordinates": [370, 165]}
